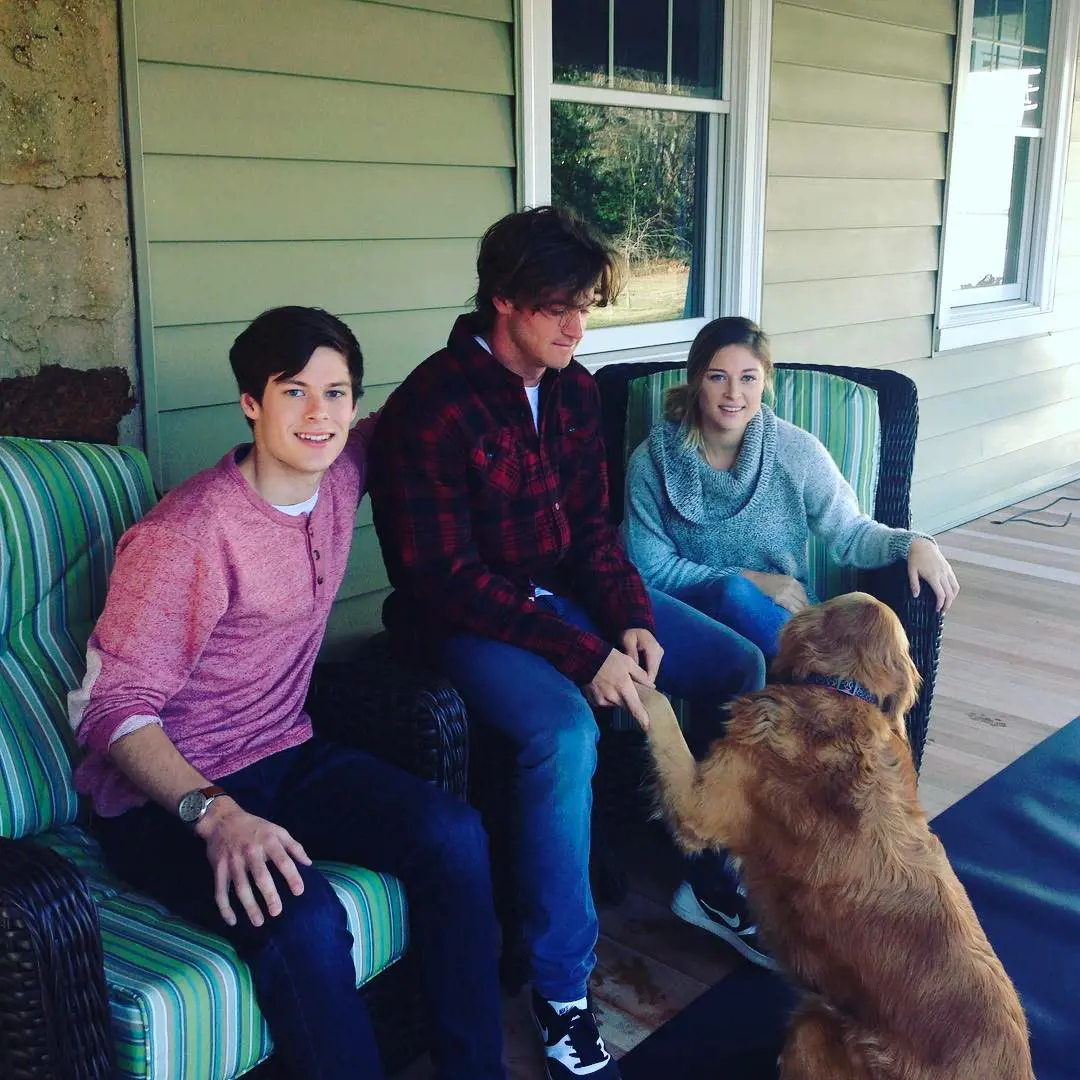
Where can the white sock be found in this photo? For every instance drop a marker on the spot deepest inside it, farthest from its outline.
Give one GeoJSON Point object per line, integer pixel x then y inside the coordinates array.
{"type": "Point", "coordinates": [565, 1006]}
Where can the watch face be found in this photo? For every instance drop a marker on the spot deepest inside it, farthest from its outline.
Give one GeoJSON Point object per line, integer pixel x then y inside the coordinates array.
{"type": "Point", "coordinates": [192, 807]}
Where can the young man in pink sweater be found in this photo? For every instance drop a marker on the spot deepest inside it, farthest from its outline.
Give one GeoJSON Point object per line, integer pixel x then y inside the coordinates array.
{"type": "Point", "coordinates": [212, 793]}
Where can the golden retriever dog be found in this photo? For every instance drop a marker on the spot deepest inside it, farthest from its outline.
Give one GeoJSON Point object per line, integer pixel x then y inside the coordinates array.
{"type": "Point", "coordinates": [813, 788]}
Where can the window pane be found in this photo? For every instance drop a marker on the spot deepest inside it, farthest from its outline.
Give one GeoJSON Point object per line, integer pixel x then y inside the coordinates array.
{"type": "Point", "coordinates": [579, 41]}
{"type": "Point", "coordinates": [638, 174]}
{"type": "Point", "coordinates": [1008, 45]}
{"type": "Point", "coordinates": [986, 228]}
{"type": "Point", "coordinates": [647, 45]}
{"type": "Point", "coordinates": [695, 46]}
{"type": "Point", "coordinates": [641, 32]}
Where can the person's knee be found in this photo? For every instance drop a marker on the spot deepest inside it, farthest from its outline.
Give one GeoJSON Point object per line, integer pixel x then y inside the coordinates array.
{"type": "Point", "coordinates": [565, 744]}
{"type": "Point", "coordinates": [454, 837]}
{"type": "Point", "coordinates": [753, 669]}
{"type": "Point", "coordinates": [738, 591]}
{"type": "Point", "coordinates": [312, 925]}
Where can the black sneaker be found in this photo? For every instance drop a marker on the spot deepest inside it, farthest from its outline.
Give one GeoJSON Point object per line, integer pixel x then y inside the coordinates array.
{"type": "Point", "coordinates": [572, 1043]}
{"type": "Point", "coordinates": [728, 917]}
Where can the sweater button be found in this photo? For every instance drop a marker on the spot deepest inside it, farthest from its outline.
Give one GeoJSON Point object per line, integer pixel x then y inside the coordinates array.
{"type": "Point", "coordinates": [319, 579]}
{"type": "Point", "coordinates": [315, 555]}
{"type": "Point", "coordinates": [557, 507]}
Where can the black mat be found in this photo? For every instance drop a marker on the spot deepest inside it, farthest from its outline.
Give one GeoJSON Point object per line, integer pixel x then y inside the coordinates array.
{"type": "Point", "coordinates": [1015, 843]}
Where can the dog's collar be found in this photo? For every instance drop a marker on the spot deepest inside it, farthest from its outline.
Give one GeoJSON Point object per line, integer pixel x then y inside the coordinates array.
{"type": "Point", "coordinates": [843, 686]}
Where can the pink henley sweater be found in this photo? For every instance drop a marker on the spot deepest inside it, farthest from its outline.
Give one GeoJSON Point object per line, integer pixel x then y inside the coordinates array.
{"type": "Point", "coordinates": [216, 609]}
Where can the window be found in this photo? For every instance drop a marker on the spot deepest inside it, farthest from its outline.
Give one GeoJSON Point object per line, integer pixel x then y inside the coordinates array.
{"type": "Point", "coordinates": [648, 117]}
{"type": "Point", "coordinates": [1016, 62]}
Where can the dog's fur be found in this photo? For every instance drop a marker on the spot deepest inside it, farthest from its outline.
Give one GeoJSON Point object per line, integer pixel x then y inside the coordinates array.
{"type": "Point", "coordinates": [814, 791]}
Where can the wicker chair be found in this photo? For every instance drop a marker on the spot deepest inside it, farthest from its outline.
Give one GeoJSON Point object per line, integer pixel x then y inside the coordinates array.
{"type": "Point", "coordinates": [898, 418]}
{"type": "Point", "coordinates": [62, 508]}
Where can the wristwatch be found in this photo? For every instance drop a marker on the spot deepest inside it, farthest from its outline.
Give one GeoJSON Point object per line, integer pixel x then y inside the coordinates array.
{"type": "Point", "coordinates": [195, 803]}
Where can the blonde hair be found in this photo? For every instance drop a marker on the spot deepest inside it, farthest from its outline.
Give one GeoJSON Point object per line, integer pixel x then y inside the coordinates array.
{"type": "Point", "coordinates": [681, 402]}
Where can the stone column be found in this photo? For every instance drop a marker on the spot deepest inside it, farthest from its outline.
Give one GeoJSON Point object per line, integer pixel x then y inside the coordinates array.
{"type": "Point", "coordinates": [67, 316]}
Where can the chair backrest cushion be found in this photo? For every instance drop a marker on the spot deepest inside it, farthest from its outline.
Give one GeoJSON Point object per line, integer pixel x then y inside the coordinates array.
{"type": "Point", "coordinates": [63, 507]}
{"type": "Point", "coordinates": [843, 414]}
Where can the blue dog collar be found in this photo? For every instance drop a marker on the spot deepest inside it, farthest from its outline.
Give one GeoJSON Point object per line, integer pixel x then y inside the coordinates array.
{"type": "Point", "coordinates": [843, 686]}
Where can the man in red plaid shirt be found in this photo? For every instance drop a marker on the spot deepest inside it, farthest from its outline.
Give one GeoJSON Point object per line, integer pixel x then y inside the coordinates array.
{"type": "Point", "coordinates": [489, 486]}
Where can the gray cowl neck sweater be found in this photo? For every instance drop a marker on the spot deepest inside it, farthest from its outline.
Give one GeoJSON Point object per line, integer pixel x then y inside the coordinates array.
{"type": "Point", "coordinates": [687, 523]}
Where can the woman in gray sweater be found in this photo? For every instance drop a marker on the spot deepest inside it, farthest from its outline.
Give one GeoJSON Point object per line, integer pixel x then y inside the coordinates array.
{"type": "Point", "coordinates": [723, 496]}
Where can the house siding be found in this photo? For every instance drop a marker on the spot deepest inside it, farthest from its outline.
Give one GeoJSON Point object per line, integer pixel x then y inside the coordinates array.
{"type": "Point", "coordinates": [328, 152]}
{"type": "Point", "coordinates": [859, 116]}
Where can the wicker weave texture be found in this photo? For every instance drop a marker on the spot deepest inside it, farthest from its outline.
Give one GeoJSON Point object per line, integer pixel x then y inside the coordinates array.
{"type": "Point", "coordinates": [352, 702]}
{"type": "Point", "coordinates": [54, 1016]}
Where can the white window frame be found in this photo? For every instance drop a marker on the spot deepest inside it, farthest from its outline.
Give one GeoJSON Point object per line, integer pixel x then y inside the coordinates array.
{"type": "Point", "coordinates": [1027, 309]}
{"type": "Point", "coordinates": [734, 223]}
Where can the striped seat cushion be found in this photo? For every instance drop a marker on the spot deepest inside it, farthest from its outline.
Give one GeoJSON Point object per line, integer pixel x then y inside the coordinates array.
{"type": "Point", "coordinates": [63, 507]}
{"type": "Point", "coordinates": [182, 1002]}
{"type": "Point", "coordinates": [841, 413]}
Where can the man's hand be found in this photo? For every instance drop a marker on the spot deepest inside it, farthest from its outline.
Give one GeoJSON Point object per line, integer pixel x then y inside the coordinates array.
{"type": "Point", "coordinates": [925, 561]}
{"type": "Point", "coordinates": [613, 685]}
{"type": "Point", "coordinates": [239, 845]}
{"type": "Point", "coordinates": [784, 590]}
{"type": "Point", "coordinates": [640, 645]}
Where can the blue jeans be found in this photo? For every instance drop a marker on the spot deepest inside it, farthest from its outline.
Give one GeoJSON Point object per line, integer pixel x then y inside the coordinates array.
{"type": "Point", "coordinates": [345, 805]}
{"type": "Point", "coordinates": [737, 602]}
{"type": "Point", "coordinates": [553, 728]}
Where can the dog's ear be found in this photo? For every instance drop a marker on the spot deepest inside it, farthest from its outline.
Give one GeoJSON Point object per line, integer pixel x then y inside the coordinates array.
{"type": "Point", "coordinates": [884, 662]}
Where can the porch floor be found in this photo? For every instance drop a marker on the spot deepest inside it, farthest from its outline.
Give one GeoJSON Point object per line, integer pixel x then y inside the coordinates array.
{"type": "Point", "coordinates": [1008, 677]}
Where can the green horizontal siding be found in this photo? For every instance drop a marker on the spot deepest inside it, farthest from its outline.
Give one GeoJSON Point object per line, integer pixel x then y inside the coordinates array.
{"type": "Point", "coordinates": [330, 39]}
{"type": "Point", "coordinates": [201, 283]}
{"type": "Point", "coordinates": [501, 10]}
{"type": "Point", "coordinates": [796, 202]}
{"type": "Point", "coordinates": [216, 199]}
{"type": "Point", "coordinates": [205, 111]}
{"type": "Point", "coordinates": [838, 43]}
{"type": "Point", "coordinates": [939, 15]}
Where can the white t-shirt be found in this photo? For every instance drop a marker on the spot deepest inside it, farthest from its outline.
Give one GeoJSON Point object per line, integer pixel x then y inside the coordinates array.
{"type": "Point", "coordinates": [296, 509]}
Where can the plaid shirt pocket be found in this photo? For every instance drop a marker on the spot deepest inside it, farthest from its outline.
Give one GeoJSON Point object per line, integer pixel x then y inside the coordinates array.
{"type": "Point", "coordinates": [499, 462]}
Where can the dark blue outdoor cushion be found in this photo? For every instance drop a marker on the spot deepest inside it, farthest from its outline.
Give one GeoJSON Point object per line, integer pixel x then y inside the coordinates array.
{"type": "Point", "coordinates": [1015, 843]}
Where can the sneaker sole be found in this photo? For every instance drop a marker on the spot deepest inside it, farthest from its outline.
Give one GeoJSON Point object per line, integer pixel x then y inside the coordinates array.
{"type": "Point", "coordinates": [686, 906]}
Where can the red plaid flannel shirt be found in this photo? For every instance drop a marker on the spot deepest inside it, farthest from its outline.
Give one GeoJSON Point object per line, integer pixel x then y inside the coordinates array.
{"type": "Point", "coordinates": [472, 506]}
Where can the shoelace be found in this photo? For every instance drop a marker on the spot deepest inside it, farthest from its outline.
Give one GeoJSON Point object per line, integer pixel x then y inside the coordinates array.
{"type": "Point", "coordinates": [585, 1042]}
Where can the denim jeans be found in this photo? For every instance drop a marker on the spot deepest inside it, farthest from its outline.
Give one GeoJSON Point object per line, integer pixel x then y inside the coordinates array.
{"type": "Point", "coordinates": [553, 728]}
{"type": "Point", "coordinates": [342, 804]}
{"type": "Point", "coordinates": [737, 602]}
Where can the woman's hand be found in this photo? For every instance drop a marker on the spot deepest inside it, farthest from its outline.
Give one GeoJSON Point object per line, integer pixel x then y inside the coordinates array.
{"type": "Point", "coordinates": [780, 588]}
{"type": "Point", "coordinates": [925, 562]}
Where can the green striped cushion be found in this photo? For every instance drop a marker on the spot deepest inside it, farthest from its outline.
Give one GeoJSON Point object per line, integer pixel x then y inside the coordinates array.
{"type": "Point", "coordinates": [182, 1002]}
{"type": "Point", "coordinates": [841, 413]}
{"type": "Point", "coordinates": [63, 507]}
{"type": "Point", "coordinates": [844, 416]}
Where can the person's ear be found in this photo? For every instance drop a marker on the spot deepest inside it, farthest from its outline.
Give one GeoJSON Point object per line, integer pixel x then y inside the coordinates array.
{"type": "Point", "coordinates": [250, 406]}
{"type": "Point", "coordinates": [502, 306]}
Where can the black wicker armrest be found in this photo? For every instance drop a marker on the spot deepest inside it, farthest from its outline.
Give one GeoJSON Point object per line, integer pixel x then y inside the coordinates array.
{"type": "Point", "coordinates": [410, 717]}
{"type": "Point", "coordinates": [54, 1014]}
{"type": "Point", "coordinates": [923, 626]}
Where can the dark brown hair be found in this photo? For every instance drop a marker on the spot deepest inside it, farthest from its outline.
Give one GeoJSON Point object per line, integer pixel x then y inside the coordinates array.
{"type": "Point", "coordinates": [540, 256]}
{"type": "Point", "coordinates": [279, 343]}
